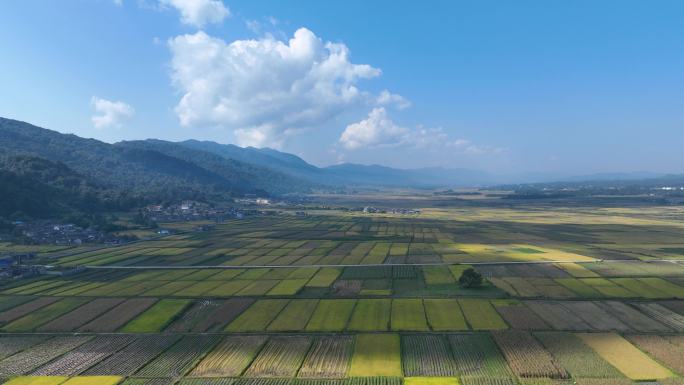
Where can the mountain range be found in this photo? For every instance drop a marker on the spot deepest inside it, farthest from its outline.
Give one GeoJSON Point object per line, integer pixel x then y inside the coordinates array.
{"type": "Point", "coordinates": [35, 161]}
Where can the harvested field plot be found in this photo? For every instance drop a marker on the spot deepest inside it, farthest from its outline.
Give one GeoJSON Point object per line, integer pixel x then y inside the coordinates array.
{"type": "Point", "coordinates": [594, 316]}
{"type": "Point", "coordinates": [427, 355]}
{"type": "Point", "coordinates": [605, 381]}
{"type": "Point", "coordinates": [11, 302]}
{"type": "Point", "coordinates": [474, 380]}
{"type": "Point", "coordinates": [21, 310]}
{"type": "Point", "coordinates": [624, 356]}
{"type": "Point", "coordinates": [576, 357]}
{"type": "Point", "coordinates": [444, 314]}
{"type": "Point", "coordinates": [38, 317]}
{"type": "Point", "coordinates": [663, 315]}
{"type": "Point", "coordinates": [86, 313]}
{"type": "Point", "coordinates": [631, 317]}
{"type": "Point", "coordinates": [230, 357]}
{"type": "Point", "coordinates": [37, 355]}
{"type": "Point", "coordinates": [157, 317]}
{"type": "Point", "coordinates": [477, 355]}
{"type": "Point", "coordinates": [225, 313]}
{"type": "Point", "coordinates": [193, 315]}
{"type": "Point", "coordinates": [281, 357]}
{"type": "Point", "coordinates": [331, 315]}
{"type": "Point", "coordinates": [557, 316]}
{"type": "Point", "coordinates": [376, 355]}
{"type": "Point", "coordinates": [661, 349]}
{"type": "Point", "coordinates": [180, 358]}
{"type": "Point", "coordinates": [84, 356]}
{"type": "Point", "coordinates": [207, 381]}
{"type": "Point", "coordinates": [526, 357]}
{"type": "Point", "coordinates": [481, 315]}
{"type": "Point", "coordinates": [519, 316]}
{"type": "Point", "coordinates": [408, 315]}
{"type": "Point", "coordinates": [371, 315]}
{"type": "Point", "coordinates": [118, 315]}
{"type": "Point", "coordinates": [10, 344]}
{"type": "Point", "coordinates": [329, 357]}
{"type": "Point", "coordinates": [258, 316]}
{"type": "Point", "coordinates": [128, 360]}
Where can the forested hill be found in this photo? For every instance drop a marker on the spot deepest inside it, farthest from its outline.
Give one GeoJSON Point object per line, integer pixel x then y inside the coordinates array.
{"type": "Point", "coordinates": [128, 173]}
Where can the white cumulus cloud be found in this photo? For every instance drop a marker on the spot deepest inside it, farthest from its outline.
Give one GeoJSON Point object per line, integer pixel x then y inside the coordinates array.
{"type": "Point", "coordinates": [264, 90]}
{"type": "Point", "coordinates": [376, 130]}
{"type": "Point", "coordinates": [109, 113]}
{"type": "Point", "coordinates": [199, 12]}
{"type": "Point", "coordinates": [387, 98]}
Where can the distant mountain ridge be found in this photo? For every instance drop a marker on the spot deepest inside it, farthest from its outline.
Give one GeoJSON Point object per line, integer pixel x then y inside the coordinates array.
{"type": "Point", "coordinates": [161, 170]}
{"type": "Point", "coordinates": [139, 171]}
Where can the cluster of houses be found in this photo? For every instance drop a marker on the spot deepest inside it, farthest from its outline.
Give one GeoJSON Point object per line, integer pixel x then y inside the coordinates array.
{"type": "Point", "coordinates": [376, 210]}
{"type": "Point", "coordinates": [56, 233]}
{"type": "Point", "coordinates": [190, 211]}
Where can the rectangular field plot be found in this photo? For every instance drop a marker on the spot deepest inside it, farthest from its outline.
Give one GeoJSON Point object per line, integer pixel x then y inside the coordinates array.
{"type": "Point", "coordinates": [431, 381]}
{"type": "Point", "coordinates": [194, 314]}
{"type": "Point", "coordinates": [371, 315]}
{"type": "Point", "coordinates": [444, 314]}
{"type": "Point", "coordinates": [632, 362]}
{"type": "Point", "coordinates": [661, 349]}
{"type": "Point", "coordinates": [294, 316]}
{"type": "Point", "coordinates": [20, 310]}
{"type": "Point", "coordinates": [663, 315]}
{"type": "Point", "coordinates": [576, 357]}
{"type": "Point", "coordinates": [179, 358]}
{"type": "Point", "coordinates": [526, 357]}
{"type": "Point", "coordinates": [376, 355]}
{"type": "Point", "coordinates": [258, 316]}
{"type": "Point", "coordinates": [10, 345]}
{"type": "Point", "coordinates": [131, 358]}
{"type": "Point", "coordinates": [427, 355]}
{"type": "Point", "coordinates": [86, 313]}
{"type": "Point", "coordinates": [84, 356]}
{"type": "Point", "coordinates": [37, 355]}
{"type": "Point", "coordinates": [557, 316]}
{"type": "Point", "coordinates": [331, 315]}
{"type": "Point", "coordinates": [408, 315]}
{"type": "Point", "coordinates": [519, 316]}
{"type": "Point", "coordinates": [329, 357]}
{"type": "Point", "coordinates": [281, 357]}
{"type": "Point", "coordinates": [481, 315]}
{"type": "Point", "coordinates": [156, 317]}
{"type": "Point", "coordinates": [594, 316]}
{"type": "Point", "coordinates": [477, 355]}
{"type": "Point", "coordinates": [118, 316]}
{"type": "Point", "coordinates": [631, 317]}
{"type": "Point", "coordinates": [38, 317]}
{"type": "Point", "coordinates": [216, 319]}
{"type": "Point", "coordinates": [230, 357]}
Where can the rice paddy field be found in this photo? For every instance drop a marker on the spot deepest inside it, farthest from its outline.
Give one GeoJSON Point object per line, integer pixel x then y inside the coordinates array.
{"type": "Point", "coordinates": [570, 296]}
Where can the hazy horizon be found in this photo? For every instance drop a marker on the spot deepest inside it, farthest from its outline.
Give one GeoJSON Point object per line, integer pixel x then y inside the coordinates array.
{"type": "Point", "coordinates": [567, 88]}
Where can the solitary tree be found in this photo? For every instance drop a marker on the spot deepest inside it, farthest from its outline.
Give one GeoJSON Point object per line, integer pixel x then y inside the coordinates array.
{"type": "Point", "coordinates": [470, 279]}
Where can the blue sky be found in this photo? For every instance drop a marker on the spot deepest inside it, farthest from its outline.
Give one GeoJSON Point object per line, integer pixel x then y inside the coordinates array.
{"type": "Point", "coordinates": [567, 87]}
